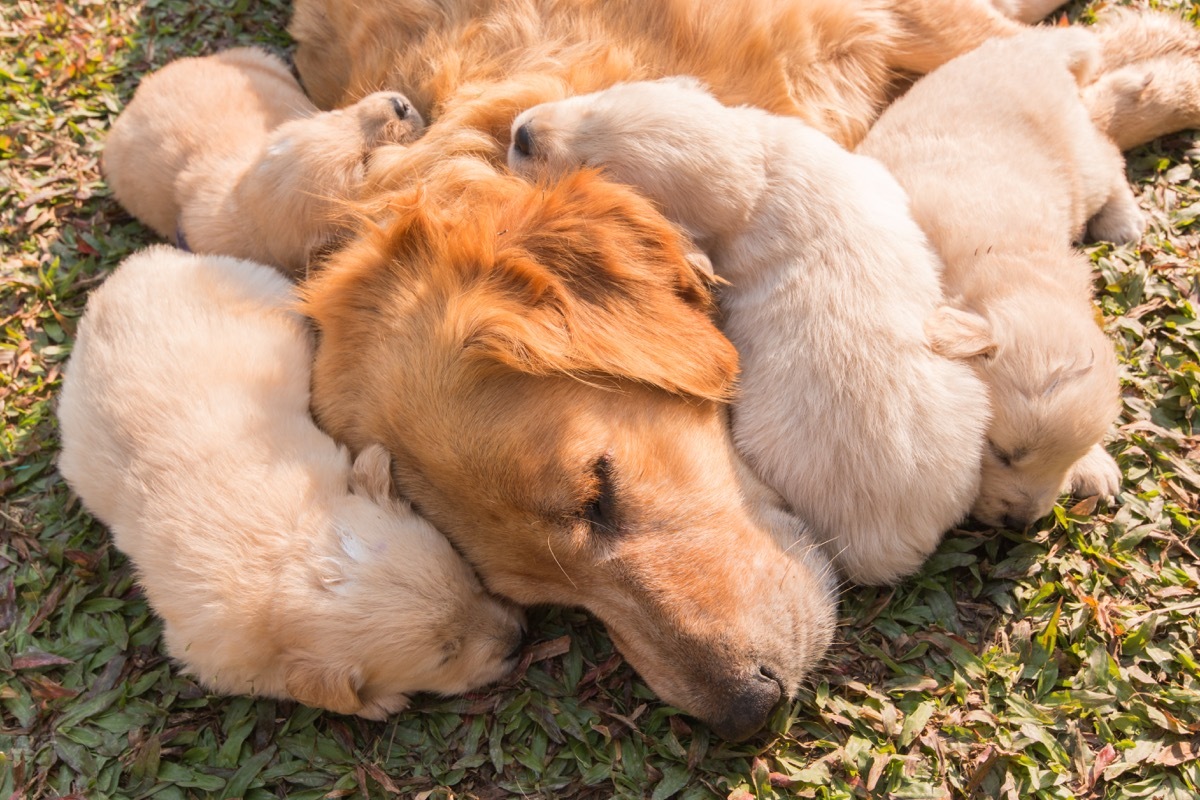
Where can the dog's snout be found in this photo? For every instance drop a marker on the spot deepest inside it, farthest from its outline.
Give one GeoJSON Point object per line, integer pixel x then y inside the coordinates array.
{"type": "Point", "coordinates": [523, 140]}
{"type": "Point", "coordinates": [401, 107]}
{"type": "Point", "coordinates": [750, 706]}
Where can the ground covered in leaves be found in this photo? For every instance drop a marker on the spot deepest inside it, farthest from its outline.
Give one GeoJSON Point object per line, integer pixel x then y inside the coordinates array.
{"type": "Point", "coordinates": [1061, 662]}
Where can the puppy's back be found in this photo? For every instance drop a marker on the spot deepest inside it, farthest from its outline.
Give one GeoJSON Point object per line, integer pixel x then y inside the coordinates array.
{"type": "Point", "coordinates": [183, 367]}
{"type": "Point", "coordinates": [212, 107]}
{"type": "Point", "coordinates": [1007, 123]}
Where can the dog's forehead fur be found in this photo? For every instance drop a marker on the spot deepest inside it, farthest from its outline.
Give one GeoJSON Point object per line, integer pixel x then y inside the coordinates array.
{"type": "Point", "coordinates": [575, 278]}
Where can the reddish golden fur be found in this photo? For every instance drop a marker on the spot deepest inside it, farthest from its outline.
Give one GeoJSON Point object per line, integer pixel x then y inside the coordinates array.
{"type": "Point", "coordinates": [527, 352]}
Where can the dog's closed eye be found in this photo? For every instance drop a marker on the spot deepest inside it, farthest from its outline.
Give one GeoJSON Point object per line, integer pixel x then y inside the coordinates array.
{"type": "Point", "coordinates": [599, 512]}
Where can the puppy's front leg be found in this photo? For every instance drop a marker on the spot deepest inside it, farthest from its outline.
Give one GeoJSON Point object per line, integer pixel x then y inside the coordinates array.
{"type": "Point", "coordinates": [1096, 473]}
{"type": "Point", "coordinates": [1119, 220]}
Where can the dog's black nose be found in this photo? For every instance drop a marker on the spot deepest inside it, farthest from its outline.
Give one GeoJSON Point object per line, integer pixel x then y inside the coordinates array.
{"type": "Point", "coordinates": [749, 708]}
{"type": "Point", "coordinates": [401, 107]}
{"type": "Point", "coordinates": [523, 140]}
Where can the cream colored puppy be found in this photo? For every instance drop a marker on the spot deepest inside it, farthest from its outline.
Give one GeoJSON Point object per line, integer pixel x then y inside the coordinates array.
{"type": "Point", "coordinates": [225, 155]}
{"type": "Point", "coordinates": [278, 570]}
{"type": "Point", "coordinates": [843, 408]}
{"type": "Point", "coordinates": [1004, 168]}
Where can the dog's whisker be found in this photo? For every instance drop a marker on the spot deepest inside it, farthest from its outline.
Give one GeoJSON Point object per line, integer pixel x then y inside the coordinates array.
{"type": "Point", "coordinates": [550, 547]}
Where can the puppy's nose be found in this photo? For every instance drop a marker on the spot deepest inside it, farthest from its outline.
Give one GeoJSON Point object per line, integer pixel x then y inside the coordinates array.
{"type": "Point", "coordinates": [401, 107]}
{"type": "Point", "coordinates": [522, 641]}
{"type": "Point", "coordinates": [749, 708]}
{"type": "Point", "coordinates": [1016, 523]}
{"type": "Point", "coordinates": [523, 140]}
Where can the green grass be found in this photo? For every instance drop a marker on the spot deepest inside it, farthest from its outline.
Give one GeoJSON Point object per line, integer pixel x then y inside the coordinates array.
{"type": "Point", "coordinates": [1062, 662]}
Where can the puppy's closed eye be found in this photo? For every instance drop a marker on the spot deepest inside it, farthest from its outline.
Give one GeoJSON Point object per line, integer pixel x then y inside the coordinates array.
{"type": "Point", "coordinates": [1007, 457]}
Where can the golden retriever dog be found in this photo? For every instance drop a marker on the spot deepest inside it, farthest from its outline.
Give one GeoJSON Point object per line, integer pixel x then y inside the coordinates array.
{"type": "Point", "coordinates": [1004, 167]}
{"type": "Point", "coordinates": [277, 567]}
{"type": "Point", "coordinates": [225, 155]}
{"type": "Point", "coordinates": [542, 364]}
{"type": "Point", "coordinates": [873, 439]}
{"type": "Point", "coordinates": [472, 65]}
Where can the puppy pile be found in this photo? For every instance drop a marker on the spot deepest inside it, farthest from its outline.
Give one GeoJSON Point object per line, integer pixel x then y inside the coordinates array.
{"type": "Point", "coordinates": [842, 406]}
{"type": "Point", "coordinates": [544, 362]}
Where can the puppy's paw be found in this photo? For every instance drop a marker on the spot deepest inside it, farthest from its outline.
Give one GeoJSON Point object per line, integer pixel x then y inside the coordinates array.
{"type": "Point", "coordinates": [1122, 226]}
{"type": "Point", "coordinates": [1119, 220]}
{"type": "Point", "coordinates": [381, 708]}
{"type": "Point", "coordinates": [1096, 473]}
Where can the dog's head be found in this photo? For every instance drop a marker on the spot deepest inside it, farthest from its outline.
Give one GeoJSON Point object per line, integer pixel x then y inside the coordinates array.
{"type": "Point", "coordinates": [542, 364]}
{"type": "Point", "coordinates": [702, 162]}
{"type": "Point", "coordinates": [1054, 388]}
{"type": "Point", "coordinates": [393, 610]}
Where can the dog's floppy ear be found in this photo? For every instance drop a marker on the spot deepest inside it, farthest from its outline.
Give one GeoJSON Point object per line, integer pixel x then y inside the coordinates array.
{"type": "Point", "coordinates": [959, 334]}
{"type": "Point", "coordinates": [594, 282]}
{"type": "Point", "coordinates": [322, 687]}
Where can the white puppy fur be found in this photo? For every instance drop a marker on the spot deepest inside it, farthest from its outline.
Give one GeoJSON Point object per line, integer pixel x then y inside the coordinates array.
{"type": "Point", "coordinates": [225, 155]}
{"type": "Point", "coordinates": [277, 568]}
{"type": "Point", "coordinates": [1004, 167]}
{"type": "Point", "coordinates": [843, 408]}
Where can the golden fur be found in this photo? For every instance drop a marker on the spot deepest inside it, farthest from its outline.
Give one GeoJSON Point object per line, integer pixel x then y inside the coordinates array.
{"type": "Point", "coordinates": [277, 568]}
{"type": "Point", "coordinates": [472, 65]}
{"type": "Point", "coordinates": [541, 362]}
{"type": "Point", "coordinates": [225, 155]}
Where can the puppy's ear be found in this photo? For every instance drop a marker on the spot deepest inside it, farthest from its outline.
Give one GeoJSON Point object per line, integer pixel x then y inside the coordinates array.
{"type": "Point", "coordinates": [684, 82]}
{"type": "Point", "coordinates": [371, 475]}
{"type": "Point", "coordinates": [593, 282]}
{"type": "Point", "coordinates": [959, 334]}
{"type": "Point", "coordinates": [702, 264]}
{"type": "Point", "coordinates": [322, 687]}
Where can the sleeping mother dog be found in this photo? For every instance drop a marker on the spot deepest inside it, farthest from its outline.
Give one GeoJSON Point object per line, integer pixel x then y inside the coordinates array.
{"type": "Point", "coordinates": [543, 366]}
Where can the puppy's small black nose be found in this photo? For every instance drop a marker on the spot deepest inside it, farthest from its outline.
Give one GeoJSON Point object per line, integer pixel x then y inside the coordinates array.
{"type": "Point", "coordinates": [519, 647]}
{"type": "Point", "coordinates": [523, 140]}
{"type": "Point", "coordinates": [1015, 523]}
{"type": "Point", "coordinates": [402, 108]}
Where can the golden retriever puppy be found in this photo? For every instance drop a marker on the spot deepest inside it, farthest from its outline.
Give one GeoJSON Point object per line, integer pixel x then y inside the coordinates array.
{"type": "Point", "coordinates": [1004, 168]}
{"type": "Point", "coordinates": [225, 155]}
{"type": "Point", "coordinates": [542, 364]}
{"type": "Point", "coordinates": [472, 65]}
{"type": "Point", "coordinates": [870, 436]}
{"type": "Point", "coordinates": [277, 568]}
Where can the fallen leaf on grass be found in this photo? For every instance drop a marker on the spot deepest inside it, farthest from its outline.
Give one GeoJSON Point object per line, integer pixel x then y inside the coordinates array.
{"type": "Point", "coordinates": [551, 649]}
{"type": "Point", "coordinates": [46, 689]}
{"type": "Point", "coordinates": [1085, 507]}
{"type": "Point", "coordinates": [1105, 756]}
{"type": "Point", "coordinates": [33, 659]}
